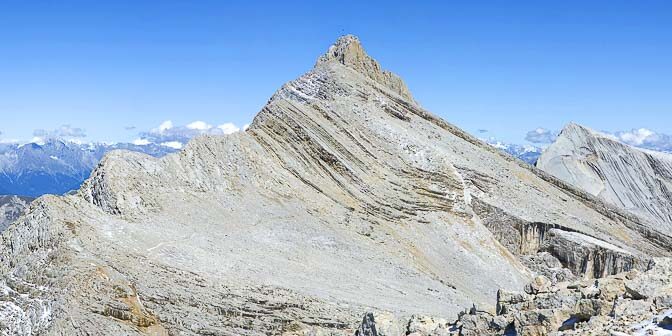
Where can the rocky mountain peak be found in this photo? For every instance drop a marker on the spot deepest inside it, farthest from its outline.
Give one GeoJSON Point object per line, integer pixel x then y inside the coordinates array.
{"type": "Point", "coordinates": [630, 178]}
{"type": "Point", "coordinates": [348, 51]}
{"type": "Point", "coordinates": [573, 129]}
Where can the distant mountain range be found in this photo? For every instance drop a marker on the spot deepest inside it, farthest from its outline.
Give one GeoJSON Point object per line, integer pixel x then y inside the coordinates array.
{"type": "Point", "coordinates": [11, 207]}
{"type": "Point", "coordinates": [642, 139]}
{"type": "Point", "coordinates": [56, 166]}
{"type": "Point", "coordinates": [526, 153]}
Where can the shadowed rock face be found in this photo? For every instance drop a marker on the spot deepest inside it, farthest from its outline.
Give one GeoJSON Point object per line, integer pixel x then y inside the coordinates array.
{"type": "Point", "coordinates": [343, 196]}
{"type": "Point", "coordinates": [637, 180]}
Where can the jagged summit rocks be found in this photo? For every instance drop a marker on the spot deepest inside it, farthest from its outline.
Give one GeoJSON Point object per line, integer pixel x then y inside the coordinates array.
{"type": "Point", "coordinates": [633, 179]}
{"type": "Point", "coordinates": [344, 196]}
{"type": "Point", "coordinates": [349, 51]}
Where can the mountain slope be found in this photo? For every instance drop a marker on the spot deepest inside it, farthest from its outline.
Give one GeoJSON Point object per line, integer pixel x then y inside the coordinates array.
{"type": "Point", "coordinates": [637, 180]}
{"type": "Point", "coordinates": [343, 196]}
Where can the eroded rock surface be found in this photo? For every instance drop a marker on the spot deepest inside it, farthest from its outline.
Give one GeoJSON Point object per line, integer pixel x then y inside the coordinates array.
{"type": "Point", "coordinates": [630, 303]}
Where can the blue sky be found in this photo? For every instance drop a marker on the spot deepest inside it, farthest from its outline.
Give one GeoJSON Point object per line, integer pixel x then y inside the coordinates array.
{"type": "Point", "coordinates": [504, 66]}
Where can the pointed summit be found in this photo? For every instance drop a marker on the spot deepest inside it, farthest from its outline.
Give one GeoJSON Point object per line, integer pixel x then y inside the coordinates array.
{"type": "Point", "coordinates": [575, 127]}
{"type": "Point", "coordinates": [624, 176]}
{"type": "Point", "coordinates": [575, 130]}
{"type": "Point", "coordinates": [349, 52]}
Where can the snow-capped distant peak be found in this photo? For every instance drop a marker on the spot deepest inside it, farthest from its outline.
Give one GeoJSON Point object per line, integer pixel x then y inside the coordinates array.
{"type": "Point", "coordinates": [38, 141]}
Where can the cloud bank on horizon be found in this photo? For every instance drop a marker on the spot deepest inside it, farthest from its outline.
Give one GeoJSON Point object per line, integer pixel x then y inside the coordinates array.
{"type": "Point", "coordinates": [166, 134]}
{"type": "Point", "coordinates": [176, 137]}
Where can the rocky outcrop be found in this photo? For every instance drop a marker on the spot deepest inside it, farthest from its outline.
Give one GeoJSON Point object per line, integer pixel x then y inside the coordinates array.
{"type": "Point", "coordinates": [343, 197]}
{"type": "Point", "coordinates": [630, 303]}
{"type": "Point", "coordinates": [558, 252]}
{"type": "Point", "coordinates": [349, 52]}
{"type": "Point", "coordinates": [633, 179]}
{"type": "Point", "coordinates": [592, 258]}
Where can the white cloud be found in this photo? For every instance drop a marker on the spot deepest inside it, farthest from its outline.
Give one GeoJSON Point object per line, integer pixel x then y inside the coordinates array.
{"type": "Point", "coordinates": [199, 125]}
{"type": "Point", "coordinates": [228, 128]}
{"type": "Point", "coordinates": [65, 132]}
{"type": "Point", "coordinates": [166, 125]}
{"type": "Point", "coordinates": [170, 135]}
{"type": "Point", "coordinates": [645, 138]}
{"type": "Point", "coordinates": [637, 136]}
{"type": "Point", "coordinates": [172, 144]}
{"type": "Point", "coordinates": [541, 136]}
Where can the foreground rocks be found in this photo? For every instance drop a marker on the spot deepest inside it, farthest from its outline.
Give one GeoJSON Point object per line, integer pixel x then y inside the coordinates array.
{"type": "Point", "coordinates": [631, 303]}
{"type": "Point", "coordinates": [623, 304]}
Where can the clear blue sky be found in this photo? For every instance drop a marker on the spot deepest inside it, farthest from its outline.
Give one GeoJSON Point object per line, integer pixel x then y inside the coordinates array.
{"type": "Point", "coordinates": [505, 66]}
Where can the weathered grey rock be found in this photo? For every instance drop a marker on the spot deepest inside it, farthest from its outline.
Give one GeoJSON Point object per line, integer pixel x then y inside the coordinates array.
{"type": "Point", "coordinates": [594, 258]}
{"type": "Point", "coordinates": [634, 179]}
{"type": "Point", "coordinates": [631, 308]}
{"type": "Point", "coordinates": [655, 282]}
{"type": "Point", "coordinates": [427, 325]}
{"type": "Point", "coordinates": [586, 307]}
{"type": "Point", "coordinates": [540, 284]}
{"type": "Point", "coordinates": [343, 197]}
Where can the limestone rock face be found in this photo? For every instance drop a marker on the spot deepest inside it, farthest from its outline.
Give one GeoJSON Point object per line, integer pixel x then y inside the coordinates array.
{"type": "Point", "coordinates": [343, 197]}
{"type": "Point", "coordinates": [637, 180]}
